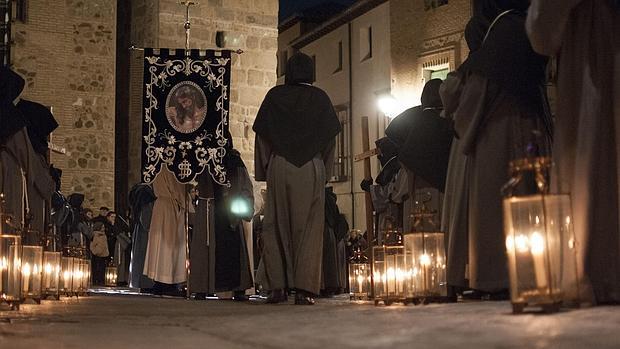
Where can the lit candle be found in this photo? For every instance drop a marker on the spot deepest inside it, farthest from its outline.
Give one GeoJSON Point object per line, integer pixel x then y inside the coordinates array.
{"type": "Point", "coordinates": [26, 274]}
{"type": "Point", "coordinates": [48, 275]}
{"type": "Point", "coordinates": [537, 248]}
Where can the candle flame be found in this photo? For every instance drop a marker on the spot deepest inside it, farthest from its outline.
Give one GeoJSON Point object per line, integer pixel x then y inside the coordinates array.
{"type": "Point", "coordinates": [26, 270]}
{"type": "Point", "coordinates": [537, 243]}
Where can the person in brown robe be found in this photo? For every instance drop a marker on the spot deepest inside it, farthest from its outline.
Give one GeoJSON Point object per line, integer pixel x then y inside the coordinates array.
{"type": "Point", "coordinates": [498, 113]}
{"type": "Point", "coordinates": [165, 251]}
{"type": "Point", "coordinates": [585, 34]}
{"type": "Point", "coordinates": [295, 130]}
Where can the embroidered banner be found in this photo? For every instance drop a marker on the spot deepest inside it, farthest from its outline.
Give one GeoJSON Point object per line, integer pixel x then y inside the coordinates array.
{"type": "Point", "coordinates": [185, 123]}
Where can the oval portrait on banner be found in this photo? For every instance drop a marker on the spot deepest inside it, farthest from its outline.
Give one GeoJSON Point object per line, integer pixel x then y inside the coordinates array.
{"type": "Point", "coordinates": [186, 107]}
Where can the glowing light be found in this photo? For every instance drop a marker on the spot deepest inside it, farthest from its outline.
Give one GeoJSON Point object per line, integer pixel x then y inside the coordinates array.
{"type": "Point", "coordinates": [537, 243]}
{"type": "Point", "coordinates": [240, 207]}
{"type": "Point", "coordinates": [389, 106]}
{"type": "Point", "coordinates": [521, 242]}
{"type": "Point", "coordinates": [425, 260]}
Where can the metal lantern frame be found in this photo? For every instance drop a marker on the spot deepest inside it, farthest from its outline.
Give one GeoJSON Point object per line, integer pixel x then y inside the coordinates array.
{"type": "Point", "coordinates": [389, 275]}
{"type": "Point", "coordinates": [10, 260]}
{"type": "Point", "coordinates": [67, 280]}
{"type": "Point", "coordinates": [111, 275]}
{"type": "Point", "coordinates": [32, 273]}
{"type": "Point", "coordinates": [360, 283]}
{"type": "Point", "coordinates": [540, 241]}
{"type": "Point", "coordinates": [426, 259]}
{"type": "Point", "coordinates": [51, 274]}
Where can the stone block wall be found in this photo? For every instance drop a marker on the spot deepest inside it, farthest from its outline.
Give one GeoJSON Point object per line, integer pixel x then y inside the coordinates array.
{"type": "Point", "coordinates": [66, 52]}
{"type": "Point", "coordinates": [250, 25]}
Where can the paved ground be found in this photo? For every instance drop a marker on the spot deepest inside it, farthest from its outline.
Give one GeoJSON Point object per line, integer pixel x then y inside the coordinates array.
{"type": "Point", "coordinates": [110, 322]}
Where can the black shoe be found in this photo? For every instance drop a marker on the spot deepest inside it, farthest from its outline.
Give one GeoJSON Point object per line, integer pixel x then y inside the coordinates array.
{"type": "Point", "coordinates": [240, 296]}
{"type": "Point", "coordinates": [200, 296]}
{"type": "Point", "coordinates": [303, 298]}
{"type": "Point", "coordinates": [277, 296]}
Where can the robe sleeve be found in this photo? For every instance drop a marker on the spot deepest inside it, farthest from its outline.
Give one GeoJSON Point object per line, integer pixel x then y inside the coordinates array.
{"type": "Point", "coordinates": [262, 155]}
{"type": "Point", "coordinates": [329, 154]}
{"type": "Point", "coordinates": [546, 23]}
{"type": "Point", "coordinates": [450, 93]}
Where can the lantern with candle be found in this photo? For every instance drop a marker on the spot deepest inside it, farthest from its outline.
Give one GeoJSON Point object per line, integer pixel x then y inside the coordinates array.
{"type": "Point", "coordinates": [111, 273]}
{"type": "Point", "coordinates": [426, 258]}
{"type": "Point", "coordinates": [390, 276]}
{"type": "Point", "coordinates": [51, 274]}
{"type": "Point", "coordinates": [540, 241]}
{"type": "Point", "coordinates": [10, 259]}
{"type": "Point", "coordinates": [32, 272]}
{"type": "Point", "coordinates": [67, 276]}
{"type": "Point", "coordinates": [359, 268]}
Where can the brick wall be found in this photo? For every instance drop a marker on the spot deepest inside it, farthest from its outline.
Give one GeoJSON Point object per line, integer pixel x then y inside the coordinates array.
{"type": "Point", "coordinates": [251, 25]}
{"type": "Point", "coordinates": [421, 37]}
{"type": "Point", "coordinates": [66, 52]}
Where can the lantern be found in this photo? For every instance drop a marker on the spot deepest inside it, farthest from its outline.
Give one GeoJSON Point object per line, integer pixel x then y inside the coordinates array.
{"type": "Point", "coordinates": [390, 277]}
{"type": "Point", "coordinates": [540, 242]}
{"type": "Point", "coordinates": [51, 274]}
{"type": "Point", "coordinates": [32, 272]}
{"type": "Point", "coordinates": [10, 260]}
{"type": "Point", "coordinates": [426, 259]}
{"type": "Point", "coordinates": [111, 273]}
{"type": "Point", "coordinates": [67, 276]}
{"type": "Point", "coordinates": [359, 275]}
{"type": "Point", "coordinates": [84, 275]}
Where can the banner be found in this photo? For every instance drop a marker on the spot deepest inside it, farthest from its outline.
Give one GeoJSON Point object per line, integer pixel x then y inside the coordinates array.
{"type": "Point", "coordinates": [185, 123]}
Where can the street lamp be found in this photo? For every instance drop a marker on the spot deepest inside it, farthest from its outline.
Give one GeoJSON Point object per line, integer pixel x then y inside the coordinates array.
{"type": "Point", "coordinates": [388, 105]}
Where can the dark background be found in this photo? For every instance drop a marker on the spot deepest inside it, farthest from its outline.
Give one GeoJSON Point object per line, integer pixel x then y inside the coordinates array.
{"type": "Point", "coordinates": [289, 7]}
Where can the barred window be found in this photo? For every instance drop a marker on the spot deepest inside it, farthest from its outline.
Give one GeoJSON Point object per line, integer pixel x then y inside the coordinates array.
{"type": "Point", "coordinates": [342, 159]}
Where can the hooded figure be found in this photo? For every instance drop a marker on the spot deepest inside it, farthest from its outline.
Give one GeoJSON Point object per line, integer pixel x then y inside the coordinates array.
{"type": "Point", "coordinates": [586, 143]}
{"type": "Point", "coordinates": [22, 168]}
{"type": "Point", "coordinates": [424, 137]}
{"type": "Point", "coordinates": [296, 128]}
{"type": "Point", "coordinates": [141, 201]}
{"type": "Point", "coordinates": [497, 102]}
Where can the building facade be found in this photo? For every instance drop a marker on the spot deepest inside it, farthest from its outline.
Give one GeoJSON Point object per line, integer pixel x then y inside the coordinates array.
{"type": "Point", "coordinates": [374, 49]}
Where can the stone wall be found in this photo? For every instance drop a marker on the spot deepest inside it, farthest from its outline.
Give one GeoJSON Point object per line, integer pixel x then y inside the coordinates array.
{"type": "Point", "coordinates": [66, 52]}
{"type": "Point", "coordinates": [424, 37]}
{"type": "Point", "coordinates": [251, 25]}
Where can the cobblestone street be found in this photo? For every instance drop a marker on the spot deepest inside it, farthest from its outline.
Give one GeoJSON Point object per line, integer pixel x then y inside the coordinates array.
{"type": "Point", "coordinates": [115, 321]}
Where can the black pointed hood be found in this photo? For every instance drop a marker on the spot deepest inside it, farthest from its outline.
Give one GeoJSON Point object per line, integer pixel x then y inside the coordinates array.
{"type": "Point", "coordinates": [11, 86]}
{"type": "Point", "coordinates": [40, 123]}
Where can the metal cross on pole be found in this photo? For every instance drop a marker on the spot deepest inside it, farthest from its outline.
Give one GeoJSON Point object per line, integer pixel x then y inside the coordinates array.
{"type": "Point", "coordinates": [187, 25]}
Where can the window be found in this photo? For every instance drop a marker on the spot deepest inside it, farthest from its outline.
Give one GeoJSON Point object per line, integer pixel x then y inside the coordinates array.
{"type": "Point", "coordinates": [313, 68]}
{"type": "Point", "coordinates": [282, 60]}
{"type": "Point", "coordinates": [342, 157]}
{"type": "Point", "coordinates": [5, 32]}
{"type": "Point", "coordinates": [365, 43]}
{"type": "Point", "coordinates": [439, 71]}
{"type": "Point", "coordinates": [431, 4]}
{"type": "Point", "coordinates": [339, 62]}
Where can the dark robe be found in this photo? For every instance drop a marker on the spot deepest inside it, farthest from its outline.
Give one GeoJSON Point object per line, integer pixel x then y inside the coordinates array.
{"type": "Point", "coordinates": [232, 205]}
{"type": "Point", "coordinates": [141, 200]}
{"type": "Point", "coordinates": [334, 254]}
{"type": "Point", "coordinates": [495, 122]}
{"type": "Point", "coordinates": [296, 128]}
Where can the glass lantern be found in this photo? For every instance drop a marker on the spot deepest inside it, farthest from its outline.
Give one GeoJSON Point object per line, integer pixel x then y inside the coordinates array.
{"type": "Point", "coordinates": [111, 274]}
{"type": "Point", "coordinates": [10, 260]}
{"type": "Point", "coordinates": [83, 275]}
{"type": "Point", "coordinates": [67, 279]}
{"type": "Point", "coordinates": [359, 275]}
{"type": "Point", "coordinates": [390, 276]}
{"type": "Point", "coordinates": [51, 274]}
{"type": "Point", "coordinates": [540, 244]}
{"type": "Point", "coordinates": [426, 259]}
{"type": "Point", "coordinates": [32, 272]}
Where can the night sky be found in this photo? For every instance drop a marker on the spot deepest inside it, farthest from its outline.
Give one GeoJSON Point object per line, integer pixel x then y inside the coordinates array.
{"type": "Point", "coordinates": [288, 7]}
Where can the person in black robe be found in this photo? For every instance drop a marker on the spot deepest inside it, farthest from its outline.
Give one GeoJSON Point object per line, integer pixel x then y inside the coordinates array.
{"type": "Point", "coordinates": [295, 130]}
{"type": "Point", "coordinates": [424, 138]}
{"type": "Point", "coordinates": [232, 205]}
{"type": "Point", "coordinates": [141, 200]}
